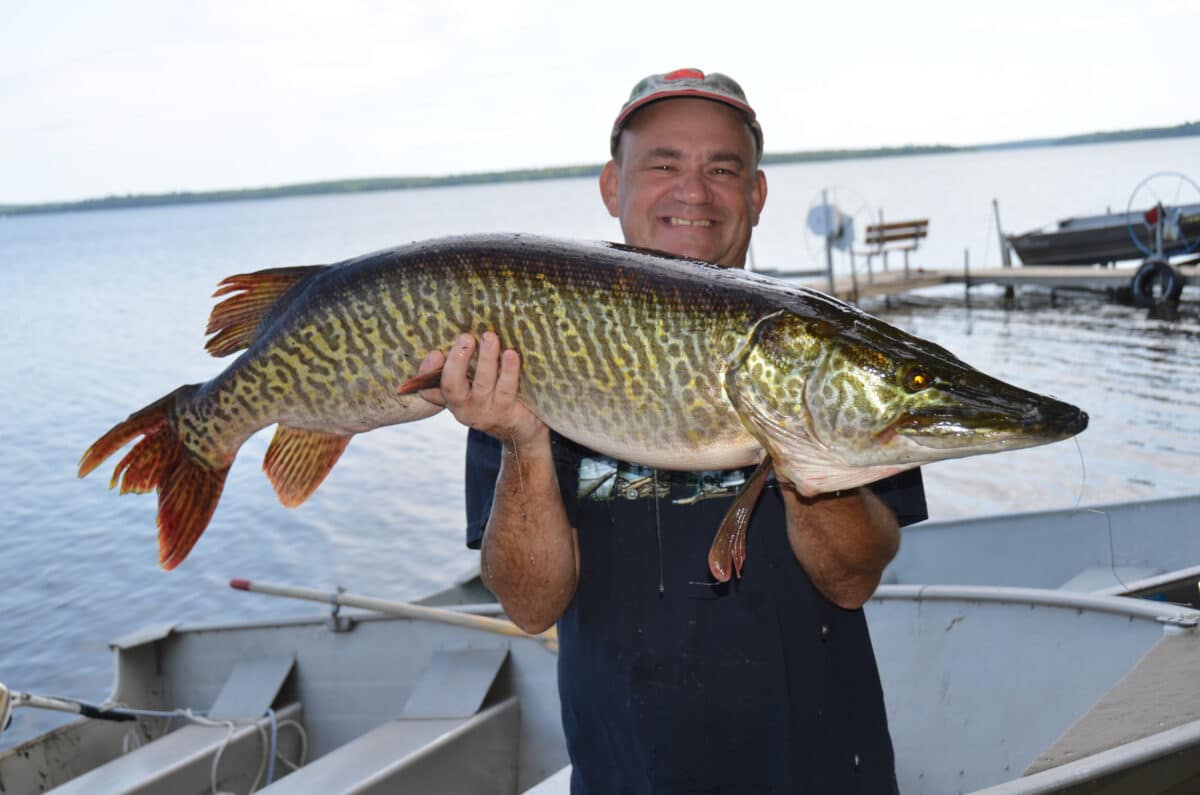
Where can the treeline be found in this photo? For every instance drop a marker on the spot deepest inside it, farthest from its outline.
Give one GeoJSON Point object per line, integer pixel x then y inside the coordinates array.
{"type": "Point", "coordinates": [558, 172]}
{"type": "Point", "coordinates": [1178, 131]}
{"type": "Point", "coordinates": [300, 189]}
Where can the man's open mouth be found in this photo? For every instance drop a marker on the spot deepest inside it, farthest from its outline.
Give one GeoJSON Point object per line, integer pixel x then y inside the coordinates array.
{"type": "Point", "coordinates": [673, 221]}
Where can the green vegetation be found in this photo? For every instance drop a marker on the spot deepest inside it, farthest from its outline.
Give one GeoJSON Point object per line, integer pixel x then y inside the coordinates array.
{"type": "Point", "coordinates": [560, 172]}
{"type": "Point", "coordinates": [301, 189]}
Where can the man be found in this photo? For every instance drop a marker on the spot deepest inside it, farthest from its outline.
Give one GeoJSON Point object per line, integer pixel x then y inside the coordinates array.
{"type": "Point", "coordinates": [670, 682]}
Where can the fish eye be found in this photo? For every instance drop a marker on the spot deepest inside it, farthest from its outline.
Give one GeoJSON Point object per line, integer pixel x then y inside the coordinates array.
{"type": "Point", "coordinates": [916, 379]}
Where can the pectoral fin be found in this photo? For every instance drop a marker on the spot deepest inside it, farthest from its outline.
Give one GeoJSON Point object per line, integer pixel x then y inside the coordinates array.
{"type": "Point", "coordinates": [728, 551]}
{"type": "Point", "coordinates": [430, 380]}
{"type": "Point", "coordinates": [298, 460]}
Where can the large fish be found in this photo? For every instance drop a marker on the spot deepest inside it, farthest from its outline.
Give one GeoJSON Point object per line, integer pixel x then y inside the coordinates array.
{"type": "Point", "coordinates": [663, 361]}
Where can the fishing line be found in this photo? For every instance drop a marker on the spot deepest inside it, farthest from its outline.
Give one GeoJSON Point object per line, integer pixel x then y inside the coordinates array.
{"type": "Point", "coordinates": [1082, 471]}
{"type": "Point", "coordinates": [524, 499]}
{"type": "Point", "coordinates": [520, 479]}
{"type": "Point", "coordinates": [658, 534]}
{"type": "Point", "coordinates": [1112, 553]}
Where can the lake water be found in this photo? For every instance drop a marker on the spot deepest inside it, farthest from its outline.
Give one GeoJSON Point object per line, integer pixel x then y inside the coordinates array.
{"type": "Point", "coordinates": [104, 312]}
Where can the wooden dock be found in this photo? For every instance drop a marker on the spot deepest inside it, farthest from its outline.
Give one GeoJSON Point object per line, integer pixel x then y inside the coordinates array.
{"type": "Point", "coordinates": [1051, 277]}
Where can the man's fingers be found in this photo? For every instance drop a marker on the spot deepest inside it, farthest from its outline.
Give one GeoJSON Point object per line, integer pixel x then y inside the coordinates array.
{"type": "Point", "coordinates": [484, 381]}
{"type": "Point", "coordinates": [510, 377]}
{"type": "Point", "coordinates": [485, 398]}
{"type": "Point", "coordinates": [455, 386]}
{"type": "Point", "coordinates": [431, 363]}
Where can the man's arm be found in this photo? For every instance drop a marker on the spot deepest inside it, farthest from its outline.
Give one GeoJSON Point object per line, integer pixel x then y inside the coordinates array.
{"type": "Point", "coordinates": [529, 556]}
{"type": "Point", "coordinates": [529, 553]}
{"type": "Point", "coordinates": [844, 541]}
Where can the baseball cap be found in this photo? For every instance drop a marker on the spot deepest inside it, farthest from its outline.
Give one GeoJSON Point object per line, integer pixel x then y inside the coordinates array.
{"type": "Point", "coordinates": [687, 83]}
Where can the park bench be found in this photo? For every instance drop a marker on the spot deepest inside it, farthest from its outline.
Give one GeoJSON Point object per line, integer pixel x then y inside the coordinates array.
{"type": "Point", "coordinates": [884, 238]}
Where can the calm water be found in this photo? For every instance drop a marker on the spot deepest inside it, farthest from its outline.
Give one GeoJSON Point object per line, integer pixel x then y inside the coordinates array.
{"type": "Point", "coordinates": [104, 312]}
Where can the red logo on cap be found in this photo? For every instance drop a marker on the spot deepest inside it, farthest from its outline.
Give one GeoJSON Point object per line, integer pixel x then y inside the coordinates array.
{"type": "Point", "coordinates": [684, 74]}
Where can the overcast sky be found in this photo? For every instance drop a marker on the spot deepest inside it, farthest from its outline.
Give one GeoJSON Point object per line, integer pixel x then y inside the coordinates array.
{"type": "Point", "coordinates": [138, 97]}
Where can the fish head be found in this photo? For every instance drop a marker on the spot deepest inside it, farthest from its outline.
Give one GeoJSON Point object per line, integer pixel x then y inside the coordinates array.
{"type": "Point", "coordinates": [839, 398]}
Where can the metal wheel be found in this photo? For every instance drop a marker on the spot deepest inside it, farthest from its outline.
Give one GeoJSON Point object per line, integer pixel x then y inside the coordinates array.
{"type": "Point", "coordinates": [1165, 193]}
{"type": "Point", "coordinates": [835, 212]}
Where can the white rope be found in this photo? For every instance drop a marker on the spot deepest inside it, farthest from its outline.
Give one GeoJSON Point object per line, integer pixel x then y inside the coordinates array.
{"type": "Point", "coordinates": [220, 750]}
{"type": "Point", "coordinates": [270, 742]}
{"type": "Point", "coordinates": [132, 741]}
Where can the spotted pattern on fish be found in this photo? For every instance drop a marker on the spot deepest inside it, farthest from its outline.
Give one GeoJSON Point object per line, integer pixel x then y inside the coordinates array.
{"type": "Point", "coordinates": [662, 361]}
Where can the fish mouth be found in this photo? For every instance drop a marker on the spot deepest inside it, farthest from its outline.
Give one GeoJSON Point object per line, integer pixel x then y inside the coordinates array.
{"type": "Point", "coordinates": [958, 428]}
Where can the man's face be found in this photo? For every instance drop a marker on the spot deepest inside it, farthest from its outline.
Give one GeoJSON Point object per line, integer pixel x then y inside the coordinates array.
{"type": "Point", "coordinates": [687, 181]}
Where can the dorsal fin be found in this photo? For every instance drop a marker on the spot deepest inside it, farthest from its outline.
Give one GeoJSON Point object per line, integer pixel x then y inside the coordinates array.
{"type": "Point", "coordinates": [298, 460]}
{"type": "Point", "coordinates": [236, 320]}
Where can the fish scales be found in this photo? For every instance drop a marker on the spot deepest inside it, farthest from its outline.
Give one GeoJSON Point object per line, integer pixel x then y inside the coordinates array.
{"type": "Point", "coordinates": [659, 360]}
{"type": "Point", "coordinates": [605, 348]}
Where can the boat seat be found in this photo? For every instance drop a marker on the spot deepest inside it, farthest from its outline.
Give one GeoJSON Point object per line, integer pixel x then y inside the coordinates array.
{"type": "Point", "coordinates": [1155, 696]}
{"type": "Point", "coordinates": [471, 756]}
{"type": "Point", "coordinates": [441, 742]}
{"type": "Point", "coordinates": [181, 761]}
{"type": "Point", "coordinates": [1104, 577]}
{"type": "Point", "coordinates": [558, 784]}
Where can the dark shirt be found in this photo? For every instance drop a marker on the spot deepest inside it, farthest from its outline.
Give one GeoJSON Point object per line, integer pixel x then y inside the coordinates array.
{"type": "Point", "coordinates": [670, 682]}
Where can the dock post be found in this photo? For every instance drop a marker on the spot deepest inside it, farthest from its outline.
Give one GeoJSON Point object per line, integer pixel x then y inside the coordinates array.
{"type": "Point", "coordinates": [830, 217]}
{"type": "Point", "coordinates": [882, 250]}
{"type": "Point", "coordinates": [1005, 250]}
{"type": "Point", "coordinates": [967, 276]}
{"type": "Point", "coordinates": [853, 279]}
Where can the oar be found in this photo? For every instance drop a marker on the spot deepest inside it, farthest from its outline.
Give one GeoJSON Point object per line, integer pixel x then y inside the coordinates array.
{"type": "Point", "coordinates": [548, 639]}
{"type": "Point", "coordinates": [11, 699]}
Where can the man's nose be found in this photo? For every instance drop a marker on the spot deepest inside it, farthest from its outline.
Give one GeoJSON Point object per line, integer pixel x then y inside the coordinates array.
{"type": "Point", "coordinates": [693, 188]}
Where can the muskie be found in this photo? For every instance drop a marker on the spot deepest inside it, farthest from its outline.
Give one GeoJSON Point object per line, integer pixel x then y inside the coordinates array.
{"type": "Point", "coordinates": [662, 361]}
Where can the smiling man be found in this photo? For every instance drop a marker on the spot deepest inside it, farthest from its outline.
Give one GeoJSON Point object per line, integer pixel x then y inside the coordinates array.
{"type": "Point", "coordinates": [684, 177]}
{"type": "Point", "coordinates": [670, 682]}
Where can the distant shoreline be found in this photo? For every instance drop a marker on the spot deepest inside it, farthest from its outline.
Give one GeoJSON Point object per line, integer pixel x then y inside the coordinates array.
{"type": "Point", "coordinates": [555, 172]}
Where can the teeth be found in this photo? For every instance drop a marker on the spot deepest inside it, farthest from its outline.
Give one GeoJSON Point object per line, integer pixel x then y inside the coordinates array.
{"type": "Point", "coordinates": [686, 222]}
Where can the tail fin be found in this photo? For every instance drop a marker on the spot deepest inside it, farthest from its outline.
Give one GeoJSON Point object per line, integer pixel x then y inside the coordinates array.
{"type": "Point", "coordinates": [188, 488]}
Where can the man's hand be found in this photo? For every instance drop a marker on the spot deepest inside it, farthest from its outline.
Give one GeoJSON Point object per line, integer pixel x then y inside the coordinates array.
{"type": "Point", "coordinates": [487, 402]}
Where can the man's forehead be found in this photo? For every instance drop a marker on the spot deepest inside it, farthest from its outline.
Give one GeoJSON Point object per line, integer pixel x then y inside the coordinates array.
{"type": "Point", "coordinates": [686, 124]}
{"type": "Point", "coordinates": [721, 155]}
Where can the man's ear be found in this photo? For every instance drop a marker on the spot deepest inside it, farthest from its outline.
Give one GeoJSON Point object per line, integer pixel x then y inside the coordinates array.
{"type": "Point", "coordinates": [610, 183]}
{"type": "Point", "coordinates": [758, 195]}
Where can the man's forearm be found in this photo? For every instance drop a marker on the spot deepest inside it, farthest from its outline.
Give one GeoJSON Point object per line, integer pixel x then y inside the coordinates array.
{"type": "Point", "coordinates": [843, 541]}
{"type": "Point", "coordinates": [528, 556]}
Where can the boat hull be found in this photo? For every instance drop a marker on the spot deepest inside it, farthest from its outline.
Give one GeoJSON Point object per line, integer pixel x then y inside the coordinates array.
{"type": "Point", "coordinates": [986, 686]}
{"type": "Point", "coordinates": [1102, 239]}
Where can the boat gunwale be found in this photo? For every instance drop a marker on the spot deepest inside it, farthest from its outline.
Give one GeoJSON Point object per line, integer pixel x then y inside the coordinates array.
{"type": "Point", "coordinates": [1162, 612]}
{"type": "Point", "coordinates": [1095, 767]}
{"type": "Point", "coordinates": [1125, 507]}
